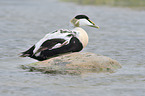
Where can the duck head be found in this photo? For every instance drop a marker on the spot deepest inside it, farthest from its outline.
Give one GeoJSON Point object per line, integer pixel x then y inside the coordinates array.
{"type": "Point", "coordinates": [83, 20]}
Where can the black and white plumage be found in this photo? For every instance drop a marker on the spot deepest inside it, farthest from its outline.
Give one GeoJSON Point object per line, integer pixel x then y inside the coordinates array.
{"type": "Point", "coordinates": [61, 41]}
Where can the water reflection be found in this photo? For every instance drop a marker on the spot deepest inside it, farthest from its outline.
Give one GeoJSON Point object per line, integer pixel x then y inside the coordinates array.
{"type": "Point", "coordinates": [126, 3]}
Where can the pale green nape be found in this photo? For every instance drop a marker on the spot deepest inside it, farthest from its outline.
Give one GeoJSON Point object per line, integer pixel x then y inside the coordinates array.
{"type": "Point", "coordinates": [75, 22]}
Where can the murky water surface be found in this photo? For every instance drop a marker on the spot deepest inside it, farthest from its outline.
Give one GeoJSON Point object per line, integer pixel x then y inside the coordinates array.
{"type": "Point", "coordinates": [121, 36]}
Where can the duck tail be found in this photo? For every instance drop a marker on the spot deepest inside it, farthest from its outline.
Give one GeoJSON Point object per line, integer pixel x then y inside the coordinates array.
{"type": "Point", "coordinates": [27, 53]}
{"type": "Point", "coordinates": [23, 54]}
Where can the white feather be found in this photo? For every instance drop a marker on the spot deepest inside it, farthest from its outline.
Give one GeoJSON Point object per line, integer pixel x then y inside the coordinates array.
{"type": "Point", "coordinates": [56, 46]}
{"type": "Point", "coordinates": [37, 54]}
{"type": "Point", "coordinates": [84, 22]}
{"type": "Point", "coordinates": [53, 35]}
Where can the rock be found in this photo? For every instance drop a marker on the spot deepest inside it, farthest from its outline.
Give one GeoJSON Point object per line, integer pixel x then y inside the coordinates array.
{"type": "Point", "coordinates": [75, 63]}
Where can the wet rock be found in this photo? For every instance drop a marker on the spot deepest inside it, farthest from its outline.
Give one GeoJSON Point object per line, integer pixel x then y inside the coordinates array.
{"type": "Point", "coordinates": [75, 63]}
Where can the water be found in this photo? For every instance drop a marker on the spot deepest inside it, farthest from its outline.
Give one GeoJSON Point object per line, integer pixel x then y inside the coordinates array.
{"type": "Point", "coordinates": [121, 36]}
{"type": "Point", "coordinates": [123, 3]}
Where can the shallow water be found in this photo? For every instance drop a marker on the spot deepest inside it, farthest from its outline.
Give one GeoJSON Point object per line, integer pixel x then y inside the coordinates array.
{"type": "Point", "coordinates": [121, 36]}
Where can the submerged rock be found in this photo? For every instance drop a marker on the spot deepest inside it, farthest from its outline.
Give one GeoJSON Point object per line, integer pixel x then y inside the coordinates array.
{"type": "Point", "coordinates": [75, 63]}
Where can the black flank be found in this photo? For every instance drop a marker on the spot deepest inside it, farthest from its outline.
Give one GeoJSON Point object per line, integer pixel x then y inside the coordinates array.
{"type": "Point", "coordinates": [74, 46]}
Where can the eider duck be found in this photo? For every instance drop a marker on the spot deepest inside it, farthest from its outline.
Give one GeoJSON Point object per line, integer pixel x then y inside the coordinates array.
{"type": "Point", "coordinates": [61, 41]}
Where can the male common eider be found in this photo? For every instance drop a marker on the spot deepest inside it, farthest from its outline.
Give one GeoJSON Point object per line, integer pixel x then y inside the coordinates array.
{"type": "Point", "coordinates": [61, 41]}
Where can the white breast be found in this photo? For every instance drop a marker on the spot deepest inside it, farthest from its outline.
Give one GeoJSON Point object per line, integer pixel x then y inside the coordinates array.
{"type": "Point", "coordinates": [82, 35]}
